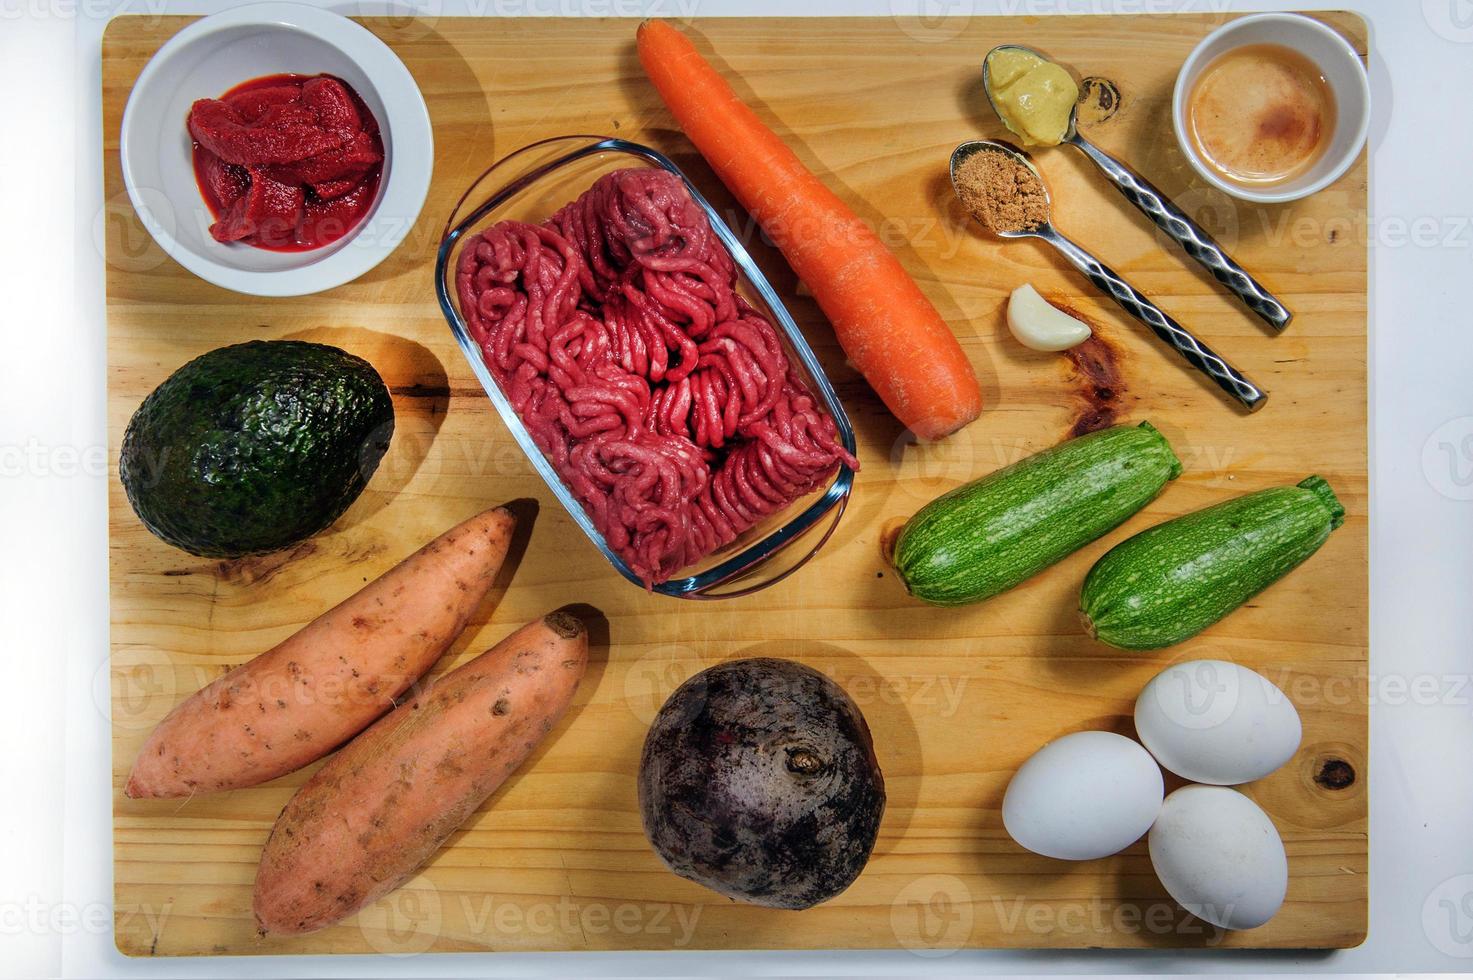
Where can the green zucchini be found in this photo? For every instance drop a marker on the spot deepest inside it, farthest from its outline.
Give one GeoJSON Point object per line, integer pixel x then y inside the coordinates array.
{"type": "Point", "coordinates": [988, 536]}
{"type": "Point", "coordinates": [1170, 582]}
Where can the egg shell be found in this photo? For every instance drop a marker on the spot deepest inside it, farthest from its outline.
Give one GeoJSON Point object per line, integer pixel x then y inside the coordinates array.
{"type": "Point", "coordinates": [1216, 722]}
{"type": "Point", "coordinates": [1083, 796]}
{"type": "Point", "coordinates": [1220, 856]}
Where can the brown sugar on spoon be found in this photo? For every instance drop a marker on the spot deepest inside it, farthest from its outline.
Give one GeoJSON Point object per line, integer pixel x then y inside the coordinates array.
{"type": "Point", "coordinates": [1002, 193]}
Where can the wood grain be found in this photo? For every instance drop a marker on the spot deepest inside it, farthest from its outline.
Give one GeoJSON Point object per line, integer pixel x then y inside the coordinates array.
{"type": "Point", "coordinates": [956, 698]}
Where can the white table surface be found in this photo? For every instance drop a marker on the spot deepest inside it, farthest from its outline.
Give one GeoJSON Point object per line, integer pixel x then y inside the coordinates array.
{"type": "Point", "coordinates": [55, 833]}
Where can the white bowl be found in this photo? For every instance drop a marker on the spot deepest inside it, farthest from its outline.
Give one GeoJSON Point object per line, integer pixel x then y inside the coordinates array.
{"type": "Point", "coordinates": [217, 53]}
{"type": "Point", "coordinates": [1342, 69]}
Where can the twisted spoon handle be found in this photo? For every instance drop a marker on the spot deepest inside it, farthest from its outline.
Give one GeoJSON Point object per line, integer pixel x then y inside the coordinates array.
{"type": "Point", "coordinates": [1188, 234]}
{"type": "Point", "coordinates": [1198, 354]}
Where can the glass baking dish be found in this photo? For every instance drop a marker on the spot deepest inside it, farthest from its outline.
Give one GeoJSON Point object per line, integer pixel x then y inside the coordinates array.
{"type": "Point", "coordinates": [529, 185]}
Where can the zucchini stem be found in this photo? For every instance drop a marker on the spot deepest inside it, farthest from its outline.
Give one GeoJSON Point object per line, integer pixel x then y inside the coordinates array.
{"type": "Point", "coordinates": [1317, 486]}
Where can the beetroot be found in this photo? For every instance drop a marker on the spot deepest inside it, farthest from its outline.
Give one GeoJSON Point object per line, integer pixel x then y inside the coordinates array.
{"type": "Point", "coordinates": [759, 780]}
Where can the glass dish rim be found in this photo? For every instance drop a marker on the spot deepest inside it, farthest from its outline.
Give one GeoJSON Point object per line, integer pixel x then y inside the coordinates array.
{"type": "Point", "coordinates": [748, 559]}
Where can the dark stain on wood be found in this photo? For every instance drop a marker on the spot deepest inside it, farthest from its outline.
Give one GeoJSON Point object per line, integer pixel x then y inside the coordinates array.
{"type": "Point", "coordinates": [1099, 99]}
{"type": "Point", "coordinates": [1335, 774]}
{"type": "Point", "coordinates": [1098, 378]}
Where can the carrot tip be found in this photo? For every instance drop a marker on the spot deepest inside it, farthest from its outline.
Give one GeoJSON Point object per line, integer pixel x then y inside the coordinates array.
{"type": "Point", "coordinates": [938, 436]}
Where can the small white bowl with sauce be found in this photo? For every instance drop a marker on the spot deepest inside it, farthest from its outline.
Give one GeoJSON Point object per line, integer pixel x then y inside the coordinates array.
{"type": "Point", "coordinates": [1272, 108]}
{"type": "Point", "coordinates": [217, 53]}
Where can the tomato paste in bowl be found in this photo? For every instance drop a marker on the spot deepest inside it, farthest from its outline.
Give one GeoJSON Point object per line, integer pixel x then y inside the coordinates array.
{"type": "Point", "coordinates": [286, 162]}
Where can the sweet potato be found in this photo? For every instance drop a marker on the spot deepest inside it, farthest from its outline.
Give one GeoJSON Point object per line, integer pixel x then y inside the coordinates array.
{"type": "Point", "coordinates": [380, 808]}
{"type": "Point", "coordinates": [306, 696]}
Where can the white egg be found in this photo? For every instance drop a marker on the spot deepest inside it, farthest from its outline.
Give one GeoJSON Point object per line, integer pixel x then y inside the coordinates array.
{"type": "Point", "coordinates": [1083, 796]}
{"type": "Point", "coordinates": [1219, 856]}
{"type": "Point", "coordinates": [1211, 721]}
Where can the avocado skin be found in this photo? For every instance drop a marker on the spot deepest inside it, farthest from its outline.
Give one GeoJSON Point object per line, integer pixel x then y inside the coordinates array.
{"type": "Point", "coordinates": [254, 447]}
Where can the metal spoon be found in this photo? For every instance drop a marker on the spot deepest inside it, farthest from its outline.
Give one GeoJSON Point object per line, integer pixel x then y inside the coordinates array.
{"type": "Point", "coordinates": [1196, 353]}
{"type": "Point", "coordinates": [1167, 216]}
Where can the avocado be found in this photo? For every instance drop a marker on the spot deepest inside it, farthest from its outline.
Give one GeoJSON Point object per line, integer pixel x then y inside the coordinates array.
{"type": "Point", "coordinates": [254, 447]}
{"type": "Point", "coordinates": [759, 780]}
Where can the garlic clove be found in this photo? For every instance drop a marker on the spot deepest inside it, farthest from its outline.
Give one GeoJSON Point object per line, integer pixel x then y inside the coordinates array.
{"type": "Point", "coordinates": [1040, 325]}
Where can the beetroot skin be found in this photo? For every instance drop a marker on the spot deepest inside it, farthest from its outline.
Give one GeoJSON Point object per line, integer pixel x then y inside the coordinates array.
{"type": "Point", "coordinates": [759, 780]}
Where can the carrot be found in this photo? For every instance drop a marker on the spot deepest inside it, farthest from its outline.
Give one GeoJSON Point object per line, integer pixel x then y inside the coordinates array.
{"type": "Point", "coordinates": [381, 808]}
{"type": "Point", "coordinates": [885, 324]}
{"type": "Point", "coordinates": [306, 696]}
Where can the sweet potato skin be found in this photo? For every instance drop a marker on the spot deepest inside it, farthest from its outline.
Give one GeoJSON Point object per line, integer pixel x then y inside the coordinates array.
{"type": "Point", "coordinates": [318, 688]}
{"type": "Point", "coordinates": [380, 808]}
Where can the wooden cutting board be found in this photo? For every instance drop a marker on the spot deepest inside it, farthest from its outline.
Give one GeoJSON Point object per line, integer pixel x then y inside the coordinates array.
{"type": "Point", "coordinates": [957, 699]}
